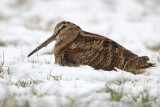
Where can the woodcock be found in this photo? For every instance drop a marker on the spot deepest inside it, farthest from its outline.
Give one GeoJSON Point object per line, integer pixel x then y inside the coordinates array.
{"type": "Point", "coordinates": [77, 47]}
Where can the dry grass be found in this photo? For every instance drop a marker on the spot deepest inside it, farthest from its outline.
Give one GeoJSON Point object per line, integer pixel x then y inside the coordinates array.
{"type": "Point", "coordinates": [9, 101]}
{"type": "Point", "coordinates": [2, 43]}
{"type": "Point", "coordinates": [4, 18]}
{"type": "Point", "coordinates": [18, 3]}
{"type": "Point", "coordinates": [155, 48]}
{"type": "Point", "coordinates": [6, 43]}
{"type": "Point", "coordinates": [35, 23]}
{"type": "Point", "coordinates": [150, 7]}
{"type": "Point", "coordinates": [48, 53]}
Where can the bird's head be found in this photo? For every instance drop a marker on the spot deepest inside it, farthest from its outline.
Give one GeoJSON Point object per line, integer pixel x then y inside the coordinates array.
{"type": "Point", "coordinates": [66, 29]}
{"type": "Point", "coordinates": [63, 30]}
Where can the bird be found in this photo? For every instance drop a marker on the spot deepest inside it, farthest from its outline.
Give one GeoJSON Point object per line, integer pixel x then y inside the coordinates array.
{"type": "Point", "coordinates": [75, 47]}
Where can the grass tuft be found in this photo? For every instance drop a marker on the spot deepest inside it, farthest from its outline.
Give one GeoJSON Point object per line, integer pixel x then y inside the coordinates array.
{"type": "Point", "coordinates": [12, 101]}
{"type": "Point", "coordinates": [57, 78]}
{"type": "Point", "coordinates": [18, 3]}
{"type": "Point", "coordinates": [9, 101]}
{"type": "Point", "coordinates": [158, 58]}
{"type": "Point", "coordinates": [2, 43]}
{"type": "Point", "coordinates": [2, 66]}
{"type": "Point", "coordinates": [115, 94]}
{"type": "Point", "coordinates": [22, 83]}
{"type": "Point", "coordinates": [155, 48]}
{"type": "Point", "coordinates": [48, 53]}
{"type": "Point", "coordinates": [13, 43]}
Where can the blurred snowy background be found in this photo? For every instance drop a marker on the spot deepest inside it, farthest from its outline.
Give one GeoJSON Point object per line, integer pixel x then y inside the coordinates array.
{"type": "Point", "coordinates": [38, 82]}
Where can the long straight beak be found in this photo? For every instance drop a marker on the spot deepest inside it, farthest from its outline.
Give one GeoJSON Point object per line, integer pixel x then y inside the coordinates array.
{"type": "Point", "coordinates": [44, 44]}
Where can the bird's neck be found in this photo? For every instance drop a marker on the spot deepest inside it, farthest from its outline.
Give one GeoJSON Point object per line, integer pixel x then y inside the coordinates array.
{"type": "Point", "coordinates": [61, 44]}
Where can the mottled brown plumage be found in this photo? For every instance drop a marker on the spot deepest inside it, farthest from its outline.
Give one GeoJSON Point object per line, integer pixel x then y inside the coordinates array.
{"type": "Point", "coordinates": [76, 47]}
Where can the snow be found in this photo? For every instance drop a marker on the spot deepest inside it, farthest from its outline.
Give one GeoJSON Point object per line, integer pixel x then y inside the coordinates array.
{"type": "Point", "coordinates": [38, 81]}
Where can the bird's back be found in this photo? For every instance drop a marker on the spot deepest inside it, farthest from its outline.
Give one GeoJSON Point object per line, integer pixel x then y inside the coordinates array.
{"type": "Point", "coordinates": [98, 51]}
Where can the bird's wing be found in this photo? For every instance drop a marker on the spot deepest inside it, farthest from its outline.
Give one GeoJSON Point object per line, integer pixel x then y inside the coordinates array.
{"type": "Point", "coordinates": [93, 51]}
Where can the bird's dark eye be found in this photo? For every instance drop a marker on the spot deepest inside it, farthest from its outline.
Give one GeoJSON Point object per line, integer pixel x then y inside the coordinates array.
{"type": "Point", "coordinates": [64, 26]}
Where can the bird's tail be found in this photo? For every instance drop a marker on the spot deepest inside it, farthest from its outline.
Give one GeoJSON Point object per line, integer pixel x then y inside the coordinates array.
{"type": "Point", "coordinates": [143, 63]}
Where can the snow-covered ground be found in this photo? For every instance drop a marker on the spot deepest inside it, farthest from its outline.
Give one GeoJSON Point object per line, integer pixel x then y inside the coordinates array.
{"type": "Point", "coordinates": [37, 82]}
